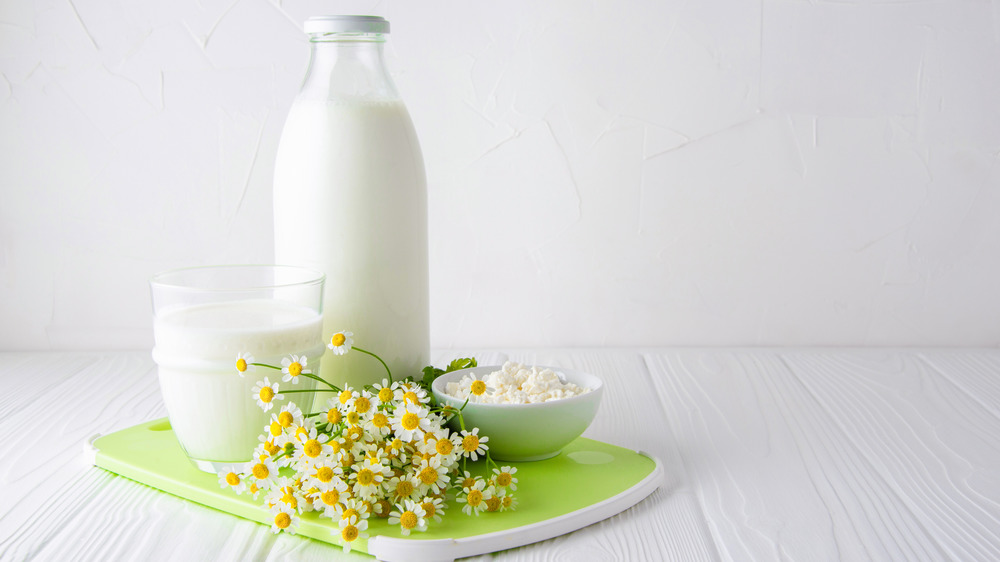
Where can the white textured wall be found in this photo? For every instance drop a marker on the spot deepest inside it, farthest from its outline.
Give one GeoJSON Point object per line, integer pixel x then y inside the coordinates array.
{"type": "Point", "coordinates": [600, 173]}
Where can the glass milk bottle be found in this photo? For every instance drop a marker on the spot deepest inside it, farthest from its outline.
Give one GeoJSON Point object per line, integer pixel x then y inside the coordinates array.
{"type": "Point", "coordinates": [350, 200]}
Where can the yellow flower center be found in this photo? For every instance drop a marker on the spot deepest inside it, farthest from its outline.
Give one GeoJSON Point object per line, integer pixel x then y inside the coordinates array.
{"type": "Point", "coordinates": [271, 448]}
{"type": "Point", "coordinates": [348, 442]}
{"type": "Point", "coordinates": [410, 421]}
{"type": "Point", "coordinates": [330, 497]}
{"type": "Point", "coordinates": [350, 533]}
{"type": "Point", "coordinates": [266, 394]}
{"type": "Point", "coordinates": [241, 364]}
{"type": "Point", "coordinates": [232, 479]}
{"type": "Point", "coordinates": [338, 340]}
{"type": "Point", "coordinates": [353, 417]}
{"type": "Point", "coordinates": [344, 396]}
{"type": "Point", "coordinates": [324, 474]}
{"type": "Point", "coordinates": [301, 434]}
{"type": "Point", "coordinates": [428, 475]}
{"type": "Point", "coordinates": [478, 388]}
{"type": "Point", "coordinates": [411, 397]}
{"type": "Point", "coordinates": [408, 520]}
{"type": "Point", "coordinates": [444, 446]}
{"type": "Point", "coordinates": [366, 477]}
{"type": "Point", "coordinates": [333, 416]}
{"type": "Point", "coordinates": [380, 420]}
{"type": "Point", "coordinates": [504, 479]}
{"type": "Point", "coordinates": [470, 443]}
{"type": "Point", "coordinates": [475, 498]}
{"type": "Point", "coordinates": [335, 445]}
{"type": "Point", "coordinates": [362, 404]}
{"type": "Point", "coordinates": [493, 504]}
{"type": "Point", "coordinates": [348, 513]}
{"type": "Point", "coordinates": [385, 394]}
{"type": "Point", "coordinates": [355, 432]}
{"type": "Point", "coordinates": [507, 501]}
{"type": "Point", "coordinates": [383, 507]}
{"type": "Point", "coordinates": [275, 428]}
{"type": "Point", "coordinates": [290, 501]}
{"type": "Point", "coordinates": [404, 489]}
{"type": "Point", "coordinates": [295, 368]}
{"type": "Point", "coordinates": [312, 448]}
{"type": "Point", "coordinates": [282, 520]}
{"type": "Point", "coordinates": [468, 482]}
{"type": "Point", "coordinates": [285, 419]}
{"type": "Point", "coordinates": [260, 471]}
{"type": "Point", "coordinates": [429, 508]}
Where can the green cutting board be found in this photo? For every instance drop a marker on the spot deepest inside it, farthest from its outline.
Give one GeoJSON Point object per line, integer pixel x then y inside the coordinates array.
{"type": "Point", "coordinates": [587, 482]}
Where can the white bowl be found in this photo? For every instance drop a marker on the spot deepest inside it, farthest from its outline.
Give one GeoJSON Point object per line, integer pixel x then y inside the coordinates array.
{"type": "Point", "coordinates": [526, 432]}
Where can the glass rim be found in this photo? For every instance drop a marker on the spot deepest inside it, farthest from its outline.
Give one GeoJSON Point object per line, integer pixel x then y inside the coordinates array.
{"type": "Point", "coordinates": [309, 277]}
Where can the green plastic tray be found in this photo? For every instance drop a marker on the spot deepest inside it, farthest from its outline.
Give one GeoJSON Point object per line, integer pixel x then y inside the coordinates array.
{"type": "Point", "coordinates": [586, 483]}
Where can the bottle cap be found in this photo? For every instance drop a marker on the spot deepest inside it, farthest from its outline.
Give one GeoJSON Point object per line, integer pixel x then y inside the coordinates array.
{"type": "Point", "coordinates": [346, 24]}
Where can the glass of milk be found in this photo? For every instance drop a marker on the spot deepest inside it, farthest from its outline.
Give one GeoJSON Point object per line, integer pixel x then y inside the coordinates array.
{"type": "Point", "coordinates": [203, 317]}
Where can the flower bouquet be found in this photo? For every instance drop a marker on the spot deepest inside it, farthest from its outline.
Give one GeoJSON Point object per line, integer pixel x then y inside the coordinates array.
{"type": "Point", "coordinates": [383, 450]}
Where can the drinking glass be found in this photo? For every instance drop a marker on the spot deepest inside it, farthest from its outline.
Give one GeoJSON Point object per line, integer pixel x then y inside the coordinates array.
{"type": "Point", "coordinates": [204, 320]}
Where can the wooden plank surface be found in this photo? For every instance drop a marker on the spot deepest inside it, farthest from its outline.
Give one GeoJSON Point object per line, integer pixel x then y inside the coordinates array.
{"type": "Point", "coordinates": [767, 455]}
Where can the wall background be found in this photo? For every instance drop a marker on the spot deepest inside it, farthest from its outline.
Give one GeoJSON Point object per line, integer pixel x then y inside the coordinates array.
{"type": "Point", "coordinates": [602, 173]}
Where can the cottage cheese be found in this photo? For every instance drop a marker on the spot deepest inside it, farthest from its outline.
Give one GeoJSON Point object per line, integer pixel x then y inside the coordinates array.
{"type": "Point", "coordinates": [516, 384]}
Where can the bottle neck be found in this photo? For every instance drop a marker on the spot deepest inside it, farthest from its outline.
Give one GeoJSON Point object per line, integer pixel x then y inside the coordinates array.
{"type": "Point", "coordinates": [347, 67]}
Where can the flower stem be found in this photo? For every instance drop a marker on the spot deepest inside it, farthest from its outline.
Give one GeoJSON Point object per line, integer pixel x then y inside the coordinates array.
{"type": "Point", "coordinates": [266, 365]}
{"type": "Point", "coordinates": [387, 371]}
{"type": "Point", "coordinates": [320, 379]}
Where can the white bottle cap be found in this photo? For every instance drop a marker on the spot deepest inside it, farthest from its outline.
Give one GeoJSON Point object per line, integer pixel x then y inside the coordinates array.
{"type": "Point", "coordinates": [346, 24]}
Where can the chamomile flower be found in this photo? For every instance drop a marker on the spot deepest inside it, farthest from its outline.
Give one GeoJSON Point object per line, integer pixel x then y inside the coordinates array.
{"type": "Point", "coordinates": [292, 367]}
{"type": "Point", "coordinates": [432, 475]}
{"type": "Point", "coordinates": [233, 481]}
{"type": "Point", "coordinates": [364, 403]}
{"type": "Point", "coordinates": [378, 425]}
{"type": "Point", "coordinates": [332, 498]}
{"type": "Point", "coordinates": [244, 363]}
{"type": "Point", "coordinates": [290, 415]}
{"type": "Point", "coordinates": [478, 388]}
{"type": "Point", "coordinates": [346, 396]}
{"type": "Point", "coordinates": [353, 508]}
{"type": "Point", "coordinates": [401, 487]}
{"type": "Point", "coordinates": [413, 394]}
{"type": "Point", "coordinates": [504, 477]}
{"type": "Point", "coordinates": [322, 473]}
{"type": "Point", "coordinates": [473, 444]}
{"type": "Point", "coordinates": [466, 480]}
{"type": "Point", "coordinates": [351, 531]}
{"type": "Point", "coordinates": [263, 472]}
{"type": "Point", "coordinates": [433, 507]}
{"type": "Point", "coordinates": [286, 493]}
{"type": "Point", "coordinates": [409, 516]}
{"type": "Point", "coordinates": [312, 446]}
{"type": "Point", "coordinates": [266, 393]}
{"type": "Point", "coordinates": [368, 477]}
{"type": "Point", "coordinates": [493, 497]}
{"type": "Point", "coordinates": [473, 498]}
{"type": "Point", "coordinates": [508, 503]}
{"type": "Point", "coordinates": [341, 342]}
{"type": "Point", "coordinates": [284, 519]}
{"type": "Point", "coordinates": [388, 393]}
{"type": "Point", "coordinates": [410, 422]}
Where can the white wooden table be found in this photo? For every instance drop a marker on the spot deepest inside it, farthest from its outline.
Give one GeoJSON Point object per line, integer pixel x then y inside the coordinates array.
{"type": "Point", "coordinates": [769, 454]}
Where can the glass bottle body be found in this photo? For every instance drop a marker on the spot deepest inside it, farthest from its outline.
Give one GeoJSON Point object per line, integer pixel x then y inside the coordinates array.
{"type": "Point", "coordinates": [350, 200]}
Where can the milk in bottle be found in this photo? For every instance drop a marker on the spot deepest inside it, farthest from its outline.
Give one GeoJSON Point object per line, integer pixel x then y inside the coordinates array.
{"type": "Point", "coordinates": [350, 201]}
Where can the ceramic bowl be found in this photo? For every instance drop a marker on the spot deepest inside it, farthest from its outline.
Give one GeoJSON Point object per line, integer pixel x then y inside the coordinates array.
{"type": "Point", "coordinates": [526, 432]}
